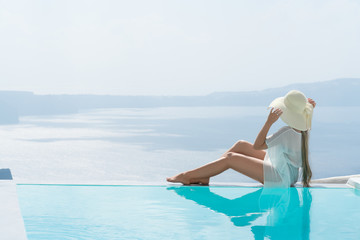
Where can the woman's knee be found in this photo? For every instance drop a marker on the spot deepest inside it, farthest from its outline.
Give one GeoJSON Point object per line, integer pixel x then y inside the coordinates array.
{"type": "Point", "coordinates": [243, 143]}
{"type": "Point", "coordinates": [240, 142]}
{"type": "Point", "coordinates": [241, 146]}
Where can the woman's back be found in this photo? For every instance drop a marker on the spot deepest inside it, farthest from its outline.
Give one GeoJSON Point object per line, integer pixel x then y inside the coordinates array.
{"type": "Point", "coordinates": [283, 158]}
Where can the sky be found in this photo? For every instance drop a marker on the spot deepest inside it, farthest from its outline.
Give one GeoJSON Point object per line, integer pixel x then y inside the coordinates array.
{"type": "Point", "coordinates": [175, 47]}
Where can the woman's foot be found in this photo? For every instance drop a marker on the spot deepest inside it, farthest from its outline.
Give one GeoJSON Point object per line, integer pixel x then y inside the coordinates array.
{"type": "Point", "coordinates": [180, 178]}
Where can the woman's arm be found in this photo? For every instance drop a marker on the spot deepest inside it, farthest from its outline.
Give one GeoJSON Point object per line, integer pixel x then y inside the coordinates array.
{"type": "Point", "coordinates": [260, 143]}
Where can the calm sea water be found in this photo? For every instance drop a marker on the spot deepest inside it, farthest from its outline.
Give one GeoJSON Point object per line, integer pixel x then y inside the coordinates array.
{"type": "Point", "coordinates": [148, 144]}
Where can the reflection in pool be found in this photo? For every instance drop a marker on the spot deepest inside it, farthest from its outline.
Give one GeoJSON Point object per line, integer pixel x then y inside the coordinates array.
{"type": "Point", "coordinates": [287, 211]}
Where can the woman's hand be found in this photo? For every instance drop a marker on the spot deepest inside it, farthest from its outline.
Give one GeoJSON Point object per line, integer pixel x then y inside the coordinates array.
{"type": "Point", "coordinates": [260, 143]}
{"type": "Point", "coordinates": [274, 115]}
{"type": "Point", "coordinates": [312, 102]}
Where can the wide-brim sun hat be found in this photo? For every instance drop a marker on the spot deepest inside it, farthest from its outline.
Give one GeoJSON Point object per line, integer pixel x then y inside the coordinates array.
{"type": "Point", "coordinates": [297, 111]}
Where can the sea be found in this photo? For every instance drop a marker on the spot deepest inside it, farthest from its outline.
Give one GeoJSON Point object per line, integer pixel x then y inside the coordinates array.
{"type": "Point", "coordinates": [146, 145]}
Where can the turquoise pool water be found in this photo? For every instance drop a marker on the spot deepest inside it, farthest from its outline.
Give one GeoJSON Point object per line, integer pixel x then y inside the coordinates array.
{"type": "Point", "coordinates": [160, 212]}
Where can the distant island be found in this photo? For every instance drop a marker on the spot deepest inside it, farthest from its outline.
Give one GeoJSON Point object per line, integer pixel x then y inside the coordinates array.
{"type": "Point", "coordinates": [14, 104]}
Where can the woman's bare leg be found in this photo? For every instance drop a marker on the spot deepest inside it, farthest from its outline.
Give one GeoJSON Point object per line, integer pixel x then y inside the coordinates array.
{"type": "Point", "coordinates": [246, 148]}
{"type": "Point", "coordinates": [240, 147]}
{"type": "Point", "coordinates": [249, 166]}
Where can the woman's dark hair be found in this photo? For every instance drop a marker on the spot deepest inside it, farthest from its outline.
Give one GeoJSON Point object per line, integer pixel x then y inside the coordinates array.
{"type": "Point", "coordinates": [306, 170]}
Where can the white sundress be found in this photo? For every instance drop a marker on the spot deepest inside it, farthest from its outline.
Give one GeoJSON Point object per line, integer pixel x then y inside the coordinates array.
{"type": "Point", "coordinates": [283, 158]}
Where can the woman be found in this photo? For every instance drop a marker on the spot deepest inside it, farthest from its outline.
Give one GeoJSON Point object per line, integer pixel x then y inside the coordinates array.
{"type": "Point", "coordinates": [287, 149]}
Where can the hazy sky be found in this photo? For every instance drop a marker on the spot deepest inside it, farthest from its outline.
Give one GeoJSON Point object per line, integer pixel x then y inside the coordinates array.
{"type": "Point", "coordinates": [173, 47]}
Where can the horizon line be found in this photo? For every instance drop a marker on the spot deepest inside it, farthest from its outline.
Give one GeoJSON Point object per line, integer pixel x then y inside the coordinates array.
{"type": "Point", "coordinates": [144, 95]}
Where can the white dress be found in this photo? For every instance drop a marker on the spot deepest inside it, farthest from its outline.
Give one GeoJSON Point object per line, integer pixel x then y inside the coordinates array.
{"type": "Point", "coordinates": [283, 158]}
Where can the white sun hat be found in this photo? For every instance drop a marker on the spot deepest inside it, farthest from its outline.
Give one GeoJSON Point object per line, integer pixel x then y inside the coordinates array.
{"type": "Point", "coordinates": [297, 111]}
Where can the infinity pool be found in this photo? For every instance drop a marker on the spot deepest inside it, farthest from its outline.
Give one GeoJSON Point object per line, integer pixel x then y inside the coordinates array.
{"type": "Point", "coordinates": [160, 212]}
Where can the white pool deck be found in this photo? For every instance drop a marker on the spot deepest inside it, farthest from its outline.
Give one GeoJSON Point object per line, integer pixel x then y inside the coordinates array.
{"type": "Point", "coordinates": [12, 224]}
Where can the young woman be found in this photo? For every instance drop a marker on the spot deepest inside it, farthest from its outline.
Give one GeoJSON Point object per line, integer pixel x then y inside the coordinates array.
{"type": "Point", "coordinates": [287, 149]}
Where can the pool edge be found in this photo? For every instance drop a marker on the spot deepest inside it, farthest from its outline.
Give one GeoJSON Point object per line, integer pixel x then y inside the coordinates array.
{"type": "Point", "coordinates": [165, 184]}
